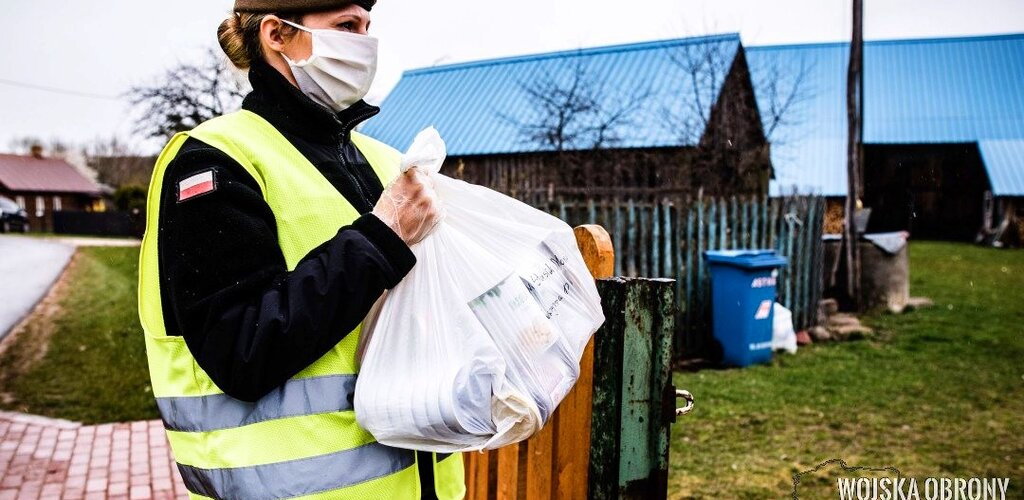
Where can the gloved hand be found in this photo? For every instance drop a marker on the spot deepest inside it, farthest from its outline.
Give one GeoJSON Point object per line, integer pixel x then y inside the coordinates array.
{"type": "Point", "coordinates": [409, 206]}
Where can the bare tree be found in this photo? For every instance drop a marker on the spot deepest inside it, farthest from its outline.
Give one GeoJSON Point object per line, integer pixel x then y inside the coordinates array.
{"type": "Point", "coordinates": [731, 111]}
{"type": "Point", "coordinates": [118, 163]}
{"type": "Point", "coordinates": [574, 111]}
{"type": "Point", "coordinates": [575, 122]}
{"type": "Point", "coordinates": [711, 111]}
{"type": "Point", "coordinates": [783, 90]}
{"type": "Point", "coordinates": [185, 96]}
{"type": "Point", "coordinates": [706, 67]}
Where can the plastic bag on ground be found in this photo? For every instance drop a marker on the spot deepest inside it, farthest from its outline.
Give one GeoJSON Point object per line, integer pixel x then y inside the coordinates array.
{"type": "Point", "coordinates": [783, 336]}
{"type": "Point", "coordinates": [482, 340]}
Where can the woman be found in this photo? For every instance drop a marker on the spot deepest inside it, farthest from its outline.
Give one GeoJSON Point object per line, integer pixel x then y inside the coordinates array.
{"type": "Point", "coordinates": [270, 233]}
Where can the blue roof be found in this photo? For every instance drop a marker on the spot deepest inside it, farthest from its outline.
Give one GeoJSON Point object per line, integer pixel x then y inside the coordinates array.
{"type": "Point", "coordinates": [946, 90]}
{"type": "Point", "coordinates": [1004, 160]}
{"type": "Point", "coordinates": [481, 107]}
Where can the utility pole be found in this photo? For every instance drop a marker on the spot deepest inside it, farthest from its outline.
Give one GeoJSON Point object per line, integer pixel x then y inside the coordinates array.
{"type": "Point", "coordinates": [854, 112]}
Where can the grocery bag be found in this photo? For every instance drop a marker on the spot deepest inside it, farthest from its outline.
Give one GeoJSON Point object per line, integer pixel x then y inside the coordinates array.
{"type": "Point", "coordinates": [482, 340]}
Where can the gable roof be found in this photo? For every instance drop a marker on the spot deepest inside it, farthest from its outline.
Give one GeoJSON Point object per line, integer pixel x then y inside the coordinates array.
{"type": "Point", "coordinates": [942, 90]}
{"type": "Point", "coordinates": [480, 107]}
{"type": "Point", "coordinates": [29, 174]}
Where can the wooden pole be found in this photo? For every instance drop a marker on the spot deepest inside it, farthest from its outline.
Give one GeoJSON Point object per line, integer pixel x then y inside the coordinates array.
{"type": "Point", "coordinates": [854, 110]}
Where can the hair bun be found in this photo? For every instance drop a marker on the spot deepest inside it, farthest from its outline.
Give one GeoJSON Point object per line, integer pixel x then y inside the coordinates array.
{"type": "Point", "coordinates": [232, 41]}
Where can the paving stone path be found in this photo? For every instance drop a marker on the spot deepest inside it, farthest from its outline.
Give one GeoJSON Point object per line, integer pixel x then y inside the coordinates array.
{"type": "Point", "coordinates": [44, 458]}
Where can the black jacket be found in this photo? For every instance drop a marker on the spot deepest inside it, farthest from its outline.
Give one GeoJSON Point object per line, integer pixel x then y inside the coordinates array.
{"type": "Point", "coordinates": [249, 323]}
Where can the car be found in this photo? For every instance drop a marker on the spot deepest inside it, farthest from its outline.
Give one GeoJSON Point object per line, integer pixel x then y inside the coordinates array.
{"type": "Point", "coordinates": [12, 216]}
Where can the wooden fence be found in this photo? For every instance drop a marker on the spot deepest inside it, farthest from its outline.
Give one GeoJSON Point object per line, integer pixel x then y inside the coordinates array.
{"type": "Point", "coordinates": [98, 223]}
{"type": "Point", "coordinates": [666, 239]}
{"type": "Point", "coordinates": [609, 438]}
{"type": "Point", "coordinates": [555, 462]}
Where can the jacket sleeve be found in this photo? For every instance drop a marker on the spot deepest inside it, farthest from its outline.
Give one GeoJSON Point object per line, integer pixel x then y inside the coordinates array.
{"type": "Point", "coordinates": [249, 322]}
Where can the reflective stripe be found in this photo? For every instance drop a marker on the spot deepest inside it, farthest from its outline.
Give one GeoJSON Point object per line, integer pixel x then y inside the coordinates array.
{"type": "Point", "coordinates": [296, 397]}
{"type": "Point", "coordinates": [299, 477]}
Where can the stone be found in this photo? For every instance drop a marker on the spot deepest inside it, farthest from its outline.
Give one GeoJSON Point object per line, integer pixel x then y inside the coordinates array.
{"type": "Point", "coordinates": [802, 338]}
{"type": "Point", "coordinates": [820, 333]}
{"type": "Point", "coordinates": [919, 303]}
{"type": "Point", "coordinates": [828, 306]}
{"type": "Point", "coordinates": [852, 332]}
{"type": "Point", "coordinates": [843, 319]}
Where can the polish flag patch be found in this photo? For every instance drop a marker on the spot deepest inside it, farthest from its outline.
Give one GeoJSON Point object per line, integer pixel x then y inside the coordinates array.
{"type": "Point", "coordinates": [195, 185]}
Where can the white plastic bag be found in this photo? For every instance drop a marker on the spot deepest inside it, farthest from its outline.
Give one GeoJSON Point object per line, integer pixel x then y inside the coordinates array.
{"type": "Point", "coordinates": [481, 341]}
{"type": "Point", "coordinates": [783, 336]}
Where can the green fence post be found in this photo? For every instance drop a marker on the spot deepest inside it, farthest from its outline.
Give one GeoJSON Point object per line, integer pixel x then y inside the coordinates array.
{"type": "Point", "coordinates": [633, 396]}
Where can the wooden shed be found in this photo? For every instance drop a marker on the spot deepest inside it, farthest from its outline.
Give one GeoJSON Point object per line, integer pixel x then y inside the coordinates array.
{"type": "Point", "coordinates": [674, 116]}
{"type": "Point", "coordinates": [943, 134]}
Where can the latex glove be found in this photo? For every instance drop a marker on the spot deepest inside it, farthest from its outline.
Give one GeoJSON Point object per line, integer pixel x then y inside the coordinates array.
{"type": "Point", "coordinates": [409, 206]}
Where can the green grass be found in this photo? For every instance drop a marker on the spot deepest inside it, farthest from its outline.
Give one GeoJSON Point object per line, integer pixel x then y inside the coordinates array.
{"type": "Point", "coordinates": [937, 393]}
{"type": "Point", "coordinates": [94, 366]}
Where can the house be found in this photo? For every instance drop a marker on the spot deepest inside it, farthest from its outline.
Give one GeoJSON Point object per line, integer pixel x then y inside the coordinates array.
{"type": "Point", "coordinates": [43, 186]}
{"type": "Point", "coordinates": [943, 132]}
{"type": "Point", "coordinates": [647, 118]}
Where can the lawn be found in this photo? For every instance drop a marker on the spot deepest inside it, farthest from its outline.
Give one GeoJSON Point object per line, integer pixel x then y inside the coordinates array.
{"type": "Point", "coordinates": [93, 369]}
{"type": "Point", "coordinates": [938, 393]}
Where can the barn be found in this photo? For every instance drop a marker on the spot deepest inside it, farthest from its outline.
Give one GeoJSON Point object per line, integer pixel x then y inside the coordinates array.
{"type": "Point", "coordinates": [668, 116]}
{"type": "Point", "coordinates": [943, 133]}
{"type": "Point", "coordinates": [943, 125]}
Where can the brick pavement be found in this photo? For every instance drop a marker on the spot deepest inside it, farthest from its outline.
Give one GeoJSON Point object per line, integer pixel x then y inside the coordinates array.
{"type": "Point", "coordinates": [43, 458]}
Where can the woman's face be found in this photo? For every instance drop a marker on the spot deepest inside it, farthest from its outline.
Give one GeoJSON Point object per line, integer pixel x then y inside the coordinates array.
{"type": "Point", "coordinates": [298, 45]}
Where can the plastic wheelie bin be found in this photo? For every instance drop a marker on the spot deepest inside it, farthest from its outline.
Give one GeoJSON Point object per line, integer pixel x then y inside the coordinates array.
{"type": "Point", "coordinates": [742, 295]}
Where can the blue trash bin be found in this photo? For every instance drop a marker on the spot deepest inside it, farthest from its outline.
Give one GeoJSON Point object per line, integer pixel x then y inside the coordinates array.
{"type": "Point", "coordinates": [742, 296]}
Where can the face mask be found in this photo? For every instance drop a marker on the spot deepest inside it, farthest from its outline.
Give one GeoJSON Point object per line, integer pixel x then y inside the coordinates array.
{"type": "Point", "coordinates": [341, 69]}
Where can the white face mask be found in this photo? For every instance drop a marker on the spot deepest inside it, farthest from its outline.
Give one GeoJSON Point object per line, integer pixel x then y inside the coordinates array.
{"type": "Point", "coordinates": [340, 70]}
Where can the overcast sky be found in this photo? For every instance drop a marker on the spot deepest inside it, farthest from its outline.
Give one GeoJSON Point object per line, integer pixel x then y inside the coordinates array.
{"type": "Point", "coordinates": [99, 49]}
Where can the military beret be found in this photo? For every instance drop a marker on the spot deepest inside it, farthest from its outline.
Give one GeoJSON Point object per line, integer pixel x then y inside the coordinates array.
{"type": "Point", "coordinates": [297, 5]}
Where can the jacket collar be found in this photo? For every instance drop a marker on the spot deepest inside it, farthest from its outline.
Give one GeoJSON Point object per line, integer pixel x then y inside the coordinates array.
{"type": "Point", "coordinates": [279, 102]}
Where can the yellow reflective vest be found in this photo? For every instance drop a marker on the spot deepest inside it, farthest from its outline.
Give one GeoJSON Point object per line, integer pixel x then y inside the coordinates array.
{"type": "Point", "coordinates": [302, 439]}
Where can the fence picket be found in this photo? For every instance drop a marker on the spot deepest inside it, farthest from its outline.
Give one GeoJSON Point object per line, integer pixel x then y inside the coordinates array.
{"type": "Point", "coordinates": [733, 232]}
{"type": "Point", "coordinates": [631, 237]}
{"type": "Point", "coordinates": [620, 253]}
{"type": "Point", "coordinates": [687, 244]}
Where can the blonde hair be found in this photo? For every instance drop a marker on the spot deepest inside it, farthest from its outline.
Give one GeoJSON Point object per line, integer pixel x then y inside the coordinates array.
{"type": "Point", "coordinates": [239, 36]}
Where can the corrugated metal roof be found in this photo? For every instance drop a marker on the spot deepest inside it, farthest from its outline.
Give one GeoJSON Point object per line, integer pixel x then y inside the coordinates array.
{"type": "Point", "coordinates": [1004, 160]}
{"type": "Point", "coordinates": [480, 107]}
{"type": "Point", "coordinates": [946, 90]}
{"type": "Point", "coordinates": [30, 174]}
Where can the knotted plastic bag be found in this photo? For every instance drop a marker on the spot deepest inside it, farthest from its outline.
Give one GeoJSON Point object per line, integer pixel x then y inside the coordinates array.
{"type": "Point", "coordinates": [482, 340]}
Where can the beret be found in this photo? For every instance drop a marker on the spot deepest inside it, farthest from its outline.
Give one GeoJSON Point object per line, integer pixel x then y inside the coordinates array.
{"type": "Point", "coordinates": [269, 6]}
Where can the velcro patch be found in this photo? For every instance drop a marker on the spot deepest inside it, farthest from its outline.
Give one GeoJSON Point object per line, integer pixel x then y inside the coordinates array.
{"type": "Point", "coordinates": [196, 185]}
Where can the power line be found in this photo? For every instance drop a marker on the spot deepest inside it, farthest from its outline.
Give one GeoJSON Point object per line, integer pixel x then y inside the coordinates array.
{"type": "Point", "coordinates": [56, 90]}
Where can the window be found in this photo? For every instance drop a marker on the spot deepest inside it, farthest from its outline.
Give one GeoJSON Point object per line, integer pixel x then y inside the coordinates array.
{"type": "Point", "coordinates": [21, 201]}
{"type": "Point", "coordinates": [56, 204]}
{"type": "Point", "coordinates": [40, 206]}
